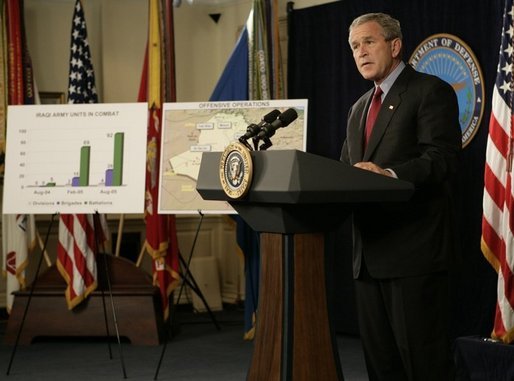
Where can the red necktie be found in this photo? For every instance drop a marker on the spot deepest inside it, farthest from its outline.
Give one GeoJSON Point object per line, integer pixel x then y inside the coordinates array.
{"type": "Point", "coordinates": [372, 114]}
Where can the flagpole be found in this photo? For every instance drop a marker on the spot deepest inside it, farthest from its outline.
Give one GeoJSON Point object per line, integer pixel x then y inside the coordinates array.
{"type": "Point", "coordinates": [141, 253]}
{"type": "Point", "coordinates": [43, 249]}
{"type": "Point", "coordinates": [120, 232]}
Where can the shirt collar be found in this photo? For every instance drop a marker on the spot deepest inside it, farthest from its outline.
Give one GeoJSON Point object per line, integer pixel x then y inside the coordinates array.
{"type": "Point", "coordinates": [388, 82]}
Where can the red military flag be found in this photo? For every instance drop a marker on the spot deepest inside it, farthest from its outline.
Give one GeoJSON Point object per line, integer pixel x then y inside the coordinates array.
{"type": "Point", "coordinates": [157, 86]}
{"type": "Point", "coordinates": [17, 88]}
{"type": "Point", "coordinates": [18, 239]}
{"type": "Point", "coordinates": [498, 202]}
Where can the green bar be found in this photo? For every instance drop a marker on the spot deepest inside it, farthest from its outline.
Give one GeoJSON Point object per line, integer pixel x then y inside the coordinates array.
{"type": "Point", "coordinates": [85, 155]}
{"type": "Point", "coordinates": [50, 185]}
{"type": "Point", "coordinates": [117, 167]}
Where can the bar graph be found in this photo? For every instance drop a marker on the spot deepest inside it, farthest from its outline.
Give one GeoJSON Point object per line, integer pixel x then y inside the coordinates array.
{"type": "Point", "coordinates": [75, 158]}
{"type": "Point", "coordinates": [113, 174]}
{"type": "Point", "coordinates": [80, 174]}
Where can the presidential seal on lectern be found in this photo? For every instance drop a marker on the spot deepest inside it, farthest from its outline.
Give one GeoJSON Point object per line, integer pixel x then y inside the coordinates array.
{"type": "Point", "coordinates": [236, 170]}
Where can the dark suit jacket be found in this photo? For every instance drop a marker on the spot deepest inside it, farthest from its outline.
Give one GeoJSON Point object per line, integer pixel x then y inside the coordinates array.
{"type": "Point", "coordinates": [417, 135]}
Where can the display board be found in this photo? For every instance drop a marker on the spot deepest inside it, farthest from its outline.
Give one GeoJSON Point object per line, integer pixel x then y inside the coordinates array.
{"type": "Point", "coordinates": [75, 158]}
{"type": "Point", "coordinates": [189, 129]}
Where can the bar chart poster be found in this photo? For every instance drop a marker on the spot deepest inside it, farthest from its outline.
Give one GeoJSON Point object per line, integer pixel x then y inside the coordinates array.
{"type": "Point", "coordinates": [75, 158]}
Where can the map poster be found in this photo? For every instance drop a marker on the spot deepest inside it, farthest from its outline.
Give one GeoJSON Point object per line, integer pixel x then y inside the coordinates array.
{"type": "Point", "coordinates": [189, 129]}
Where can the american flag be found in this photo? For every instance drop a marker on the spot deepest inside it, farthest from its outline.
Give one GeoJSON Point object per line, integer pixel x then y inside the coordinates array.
{"type": "Point", "coordinates": [81, 84]}
{"type": "Point", "coordinates": [498, 203]}
{"type": "Point", "coordinates": [76, 259]}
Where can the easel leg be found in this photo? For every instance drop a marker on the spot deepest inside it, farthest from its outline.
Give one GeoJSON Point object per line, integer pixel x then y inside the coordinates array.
{"type": "Point", "coordinates": [43, 249]}
{"type": "Point", "coordinates": [109, 288]}
{"type": "Point", "coordinates": [115, 320]}
{"type": "Point", "coordinates": [107, 333]}
{"type": "Point", "coordinates": [189, 280]}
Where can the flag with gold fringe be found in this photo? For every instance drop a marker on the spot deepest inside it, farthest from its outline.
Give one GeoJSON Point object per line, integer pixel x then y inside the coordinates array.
{"type": "Point", "coordinates": [80, 234]}
{"type": "Point", "coordinates": [18, 240]}
{"type": "Point", "coordinates": [253, 72]}
{"type": "Point", "coordinates": [17, 88]}
{"type": "Point", "coordinates": [3, 82]}
{"type": "Point", "coordinates": [158, 86]}
{"type": "Point", "coordinates": [498, 202]}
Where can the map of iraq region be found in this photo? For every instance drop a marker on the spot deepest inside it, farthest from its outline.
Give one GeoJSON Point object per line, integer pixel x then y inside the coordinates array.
{"type": "Point", "coordinates": [189, 129]}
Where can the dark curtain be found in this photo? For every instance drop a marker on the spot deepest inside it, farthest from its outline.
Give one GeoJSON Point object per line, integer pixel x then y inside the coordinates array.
{"type": "Point", "coordinates": [321, 69]}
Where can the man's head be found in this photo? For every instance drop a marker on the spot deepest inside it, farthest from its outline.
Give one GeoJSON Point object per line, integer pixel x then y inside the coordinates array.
{"type": "Point", "coordinates": [376, 43]}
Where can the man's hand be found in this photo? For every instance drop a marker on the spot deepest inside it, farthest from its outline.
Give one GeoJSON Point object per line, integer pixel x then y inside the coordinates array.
{"type": "Point", "coordinates": [369, 166]}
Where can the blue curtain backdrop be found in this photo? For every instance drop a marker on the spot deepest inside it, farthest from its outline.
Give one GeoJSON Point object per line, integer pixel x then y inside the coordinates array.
{"type": "Point", "coordinates": [321, 68]}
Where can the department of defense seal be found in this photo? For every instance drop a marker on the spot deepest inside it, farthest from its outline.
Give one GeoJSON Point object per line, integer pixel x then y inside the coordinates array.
{"type": "Point", "coordinates": [449, 58]}
{"type": "Point", "coordinates": [236, 170]}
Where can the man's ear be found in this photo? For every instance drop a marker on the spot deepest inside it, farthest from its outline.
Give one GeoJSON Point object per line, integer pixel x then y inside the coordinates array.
{"type": "Point", "coordinates": [396, 47]}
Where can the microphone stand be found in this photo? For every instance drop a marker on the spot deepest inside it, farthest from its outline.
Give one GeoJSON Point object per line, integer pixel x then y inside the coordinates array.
{"type": "Point", "coordinates": [267, 143]}
{"type": "Point", "coordinates": [245, 142]}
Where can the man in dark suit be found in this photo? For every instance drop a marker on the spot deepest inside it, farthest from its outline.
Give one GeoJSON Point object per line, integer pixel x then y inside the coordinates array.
{"type": "Point", "coordinates": [402, 251]}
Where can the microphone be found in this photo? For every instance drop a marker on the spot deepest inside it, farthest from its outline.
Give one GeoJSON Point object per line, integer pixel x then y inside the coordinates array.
{"type": "Point", "coordinates": [283, 120]}
{"type": "Point", "coordinates": [253, 129]}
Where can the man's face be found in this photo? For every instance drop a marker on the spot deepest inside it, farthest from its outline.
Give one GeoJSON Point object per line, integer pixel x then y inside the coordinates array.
{"type": "Point", "coordinates": [374, 56]}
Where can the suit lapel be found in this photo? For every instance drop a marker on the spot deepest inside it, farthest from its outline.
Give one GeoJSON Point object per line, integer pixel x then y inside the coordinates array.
{"type": "Point", "coordinates": [359, 137]}
{"type": "Point", "coordinates": [389, 106]}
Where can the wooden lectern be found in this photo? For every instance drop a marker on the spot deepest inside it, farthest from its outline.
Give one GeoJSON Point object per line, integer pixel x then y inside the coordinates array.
{"type": "Point", "coordinates": [295, 197]}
